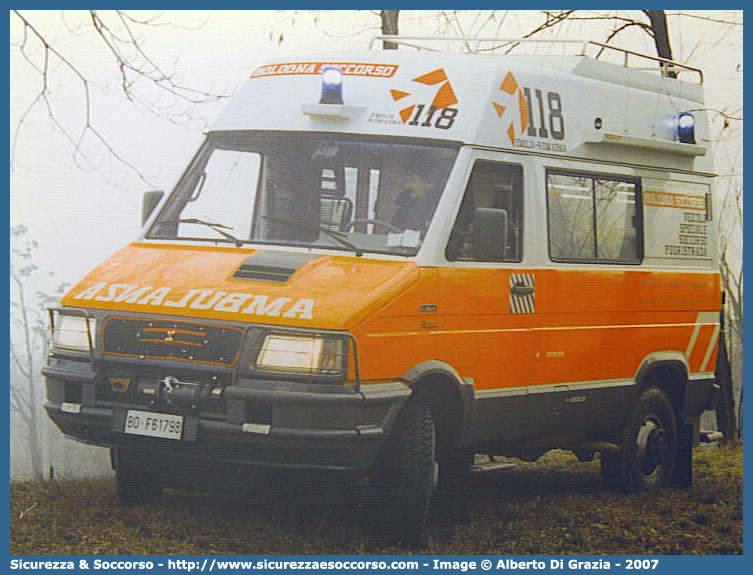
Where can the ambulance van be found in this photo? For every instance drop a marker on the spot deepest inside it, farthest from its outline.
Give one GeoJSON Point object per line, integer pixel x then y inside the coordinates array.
{"type": "Point", "coordinates": [379, 264]}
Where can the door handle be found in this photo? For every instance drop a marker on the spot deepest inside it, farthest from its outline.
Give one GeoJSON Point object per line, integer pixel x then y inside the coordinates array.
{"type": "Point", "coordinates": [521, 290]}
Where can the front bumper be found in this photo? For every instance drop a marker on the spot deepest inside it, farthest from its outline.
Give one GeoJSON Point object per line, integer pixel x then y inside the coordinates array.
{"type": "Point", "coordinates": [269, 424]}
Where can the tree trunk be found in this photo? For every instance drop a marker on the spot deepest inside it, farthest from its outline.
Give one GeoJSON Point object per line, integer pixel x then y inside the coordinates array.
{"type": "Point", "coordinates": [389, 27]}
{"type": "Point", "coordinates": [28, 369]}
{"type": "Point", "coordinates": [725, 409]}
{"type": "Point", "coordinates": [35, 446]}
{"type": "Point", "coordinates": [35, 443]}
{"type": "Point", "coordinates": [661, 37]}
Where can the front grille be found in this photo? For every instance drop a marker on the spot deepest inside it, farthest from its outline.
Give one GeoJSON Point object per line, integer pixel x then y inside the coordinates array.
{"type": "Point", "coordinates": [179, 340]}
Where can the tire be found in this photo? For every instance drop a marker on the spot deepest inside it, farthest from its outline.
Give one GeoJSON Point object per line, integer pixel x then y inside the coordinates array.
{"type": "Point", "coordinates": [683, 472]}
{"type": "Point", "coordinates": [452, 493]}
{"type": "Point", "coordinates": [406, 477]}
{"type": "Point", "coordinates": [135, 477]}
{"type": "Point", "coordinates": [612, 476]}
{"type": "Point", "coordinates": [648, 446]}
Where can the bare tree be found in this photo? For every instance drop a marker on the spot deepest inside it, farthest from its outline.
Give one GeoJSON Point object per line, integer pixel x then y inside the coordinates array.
{"type": "Point", "coordinates": [142, 80]}
{"type": "Point", "coordinates": [27, 341]}
{"type": "Point", "coordinates": [730, 216]}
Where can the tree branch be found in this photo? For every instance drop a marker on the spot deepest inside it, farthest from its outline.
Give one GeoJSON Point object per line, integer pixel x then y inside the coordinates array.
{"type": "Point", "coordinates": [131, 67]}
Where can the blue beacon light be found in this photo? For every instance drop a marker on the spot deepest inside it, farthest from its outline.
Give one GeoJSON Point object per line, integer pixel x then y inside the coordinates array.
{"type": "Point", "coordinates": [332, 85]}
{"type": "Point", "coordinates": [686, 128]}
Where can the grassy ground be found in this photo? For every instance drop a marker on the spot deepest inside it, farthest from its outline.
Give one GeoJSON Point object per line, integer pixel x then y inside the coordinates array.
{"type": "Point", "coordinates": [553, 506]}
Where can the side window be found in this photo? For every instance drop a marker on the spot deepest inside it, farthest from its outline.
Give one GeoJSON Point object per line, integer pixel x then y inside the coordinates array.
{"type": "Point", "coordinates": [489, 226]}
{"type": "Point", "coordinates": [593, 218]}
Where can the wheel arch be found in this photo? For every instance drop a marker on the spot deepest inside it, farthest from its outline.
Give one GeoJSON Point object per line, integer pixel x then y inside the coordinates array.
{"type": "Point", "coordinates": [450, 397]}
{"type": "Point", "coordinates": [667, 370]}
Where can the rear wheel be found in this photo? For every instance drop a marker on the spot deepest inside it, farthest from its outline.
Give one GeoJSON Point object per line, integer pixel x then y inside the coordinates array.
{"type": "Point", "coordinates": [648, 446]}
{"type": "Point", "coordinates": [135, 477]}
{"type": "Point", "coordinates": [683, 472]}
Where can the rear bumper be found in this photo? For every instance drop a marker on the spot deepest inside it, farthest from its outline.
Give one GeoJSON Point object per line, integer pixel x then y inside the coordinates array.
{"type": "Point", "coordinates": [341, 431]}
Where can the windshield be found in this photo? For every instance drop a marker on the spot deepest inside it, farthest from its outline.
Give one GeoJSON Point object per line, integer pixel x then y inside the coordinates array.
{"type": "Point", "coordinates": [317, 190]}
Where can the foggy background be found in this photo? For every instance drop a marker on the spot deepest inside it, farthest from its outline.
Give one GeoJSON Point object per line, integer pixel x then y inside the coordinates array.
{"type": "Point", "coordinates": [87, 140]}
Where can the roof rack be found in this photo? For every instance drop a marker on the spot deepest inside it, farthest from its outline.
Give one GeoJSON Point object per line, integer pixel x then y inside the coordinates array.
{"type": "Point", "coordinates": [667, 68]}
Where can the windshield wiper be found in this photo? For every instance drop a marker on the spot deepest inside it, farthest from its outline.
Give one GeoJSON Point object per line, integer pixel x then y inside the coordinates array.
{"type": "Point", "coordinates": [219, 228]}
{"type": "Point", "coordinates": [337, 236]}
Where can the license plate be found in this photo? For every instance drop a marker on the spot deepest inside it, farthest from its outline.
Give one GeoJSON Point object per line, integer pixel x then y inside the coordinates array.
{"type": "Point", "coordinates": [153, 424]}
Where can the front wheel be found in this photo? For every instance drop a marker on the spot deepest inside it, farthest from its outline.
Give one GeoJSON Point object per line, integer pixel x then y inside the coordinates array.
{"type": "Point", "coordinates": [135, 477]}
{"type": "Point", "coordinates": [648, 446]}
{"type": "Point", "coordinates": [452, 492]}
{"type": "Point", "coordinates": [406, 475]}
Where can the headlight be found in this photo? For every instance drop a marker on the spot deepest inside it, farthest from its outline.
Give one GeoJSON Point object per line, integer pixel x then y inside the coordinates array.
{"type": "Point", "coordinates": [316, 355]}
{"type": "Point", "coordinates": [69, 332]}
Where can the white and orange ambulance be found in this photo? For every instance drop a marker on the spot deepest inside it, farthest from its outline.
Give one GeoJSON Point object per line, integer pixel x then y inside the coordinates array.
{"type": "Point", "coordinates": [379, 264]}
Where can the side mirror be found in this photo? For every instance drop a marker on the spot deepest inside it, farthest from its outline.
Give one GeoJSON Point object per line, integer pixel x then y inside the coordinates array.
{"type": "Point", "coordinates": [490, 234]}
{"type": "Point", "coordinates": [149, 202]}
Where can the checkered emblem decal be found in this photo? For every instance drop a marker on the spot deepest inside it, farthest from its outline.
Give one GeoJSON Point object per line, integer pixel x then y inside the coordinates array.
{"type": "Point", "coordinates": [522, 293]}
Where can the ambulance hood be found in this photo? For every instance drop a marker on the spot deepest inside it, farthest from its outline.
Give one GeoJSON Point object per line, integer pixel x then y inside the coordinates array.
{"type": "Point", "coordinates": [256, 286]}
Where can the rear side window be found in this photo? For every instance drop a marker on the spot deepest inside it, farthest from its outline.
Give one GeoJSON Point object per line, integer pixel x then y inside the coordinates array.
{"type": "Point", "coordinates": [593, 218]}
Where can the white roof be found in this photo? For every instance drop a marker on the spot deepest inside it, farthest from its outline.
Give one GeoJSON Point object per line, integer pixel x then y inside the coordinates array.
{"type": "Point", "coordinates": [564, 105]}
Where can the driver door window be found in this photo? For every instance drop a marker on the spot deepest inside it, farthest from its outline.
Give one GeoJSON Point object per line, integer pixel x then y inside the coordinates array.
{"type": "Point", "coordinates": [489, 226]}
